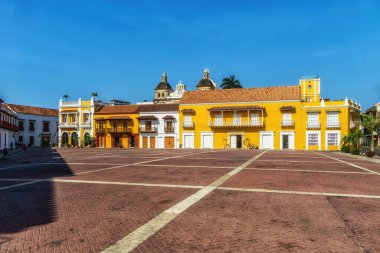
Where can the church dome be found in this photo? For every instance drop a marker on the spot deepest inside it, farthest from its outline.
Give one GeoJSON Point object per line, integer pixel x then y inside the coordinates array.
{"type": "Point", "coordinates": [164, 85]}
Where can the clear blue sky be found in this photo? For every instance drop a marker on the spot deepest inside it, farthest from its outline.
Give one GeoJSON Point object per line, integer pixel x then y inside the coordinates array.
{"type": "Point", "coordinates": [120, 48]}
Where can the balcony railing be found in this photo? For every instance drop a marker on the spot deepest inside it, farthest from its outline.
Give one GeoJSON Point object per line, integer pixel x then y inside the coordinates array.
{"type": "Point", "coordinates": [6, 125]}
{"type": "Point", "coordinates": [216, 124]}
{"type": "Point", "coordinates": [333, 125]}
{"type": "Point", "coordinates": [169, 129]}
{"type": "Point", "coordinates": [68, 124]}
{"type": "Point", "coordinates": [188, 124]}
{"type": "Point", "coordinates": [119, 130]}
{"type": "Point", "coordinates": [70, 103]}
{"type": "Point", "coordinates": [145, 129]}
{"type": "Point", "coordinates": [287, 123]}
{"type": "Point", "coordinates": [86, 124]}
{"type": "Point", "coordinates": [100, 130]}
{"type": "Point", "coordinates": [313, 125]}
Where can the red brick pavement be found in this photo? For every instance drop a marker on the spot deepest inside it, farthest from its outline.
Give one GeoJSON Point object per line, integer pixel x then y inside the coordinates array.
{"type": "Point", "coordinates": [76, 217]}
{"type": "Point", "coordinates": [254, 222]}
{"type": "Point", "coordinates": [307, 181]}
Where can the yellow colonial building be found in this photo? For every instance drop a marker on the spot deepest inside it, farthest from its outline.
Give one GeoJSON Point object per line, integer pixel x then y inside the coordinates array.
{"type": "Point", "coordinates": [75, 122]}
{"type": "Point", "coordinates": [283, 117]}
{"type": "Point", "coordinates": [116, 126]}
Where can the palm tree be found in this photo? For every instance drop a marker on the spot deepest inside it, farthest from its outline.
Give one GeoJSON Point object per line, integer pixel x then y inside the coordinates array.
{"type": "Point", "coordinates": [372, 124]}
{"type": "Point", "coordinates": [230, 83]}
{"type": "Point", "coordinates": [66, 97]}
{"type": "Point", "coordinates": [94, 94]}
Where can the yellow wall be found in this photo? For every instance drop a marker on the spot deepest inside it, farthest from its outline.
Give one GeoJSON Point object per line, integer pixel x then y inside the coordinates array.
{"type": "Point", "coordinates": [272, 122]}
{"type": "Point", "coordinates": [108, 123]}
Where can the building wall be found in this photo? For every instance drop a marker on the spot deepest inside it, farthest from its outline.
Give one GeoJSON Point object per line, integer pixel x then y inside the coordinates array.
{"type": "Point", "coordinates": [161, 134]}
{"type": "Point", "coordinates": [272, 123]}
{"type": "Point", "coordinates": [106, 139]}
{"type": "Point", "coordinates": [8, 127]}
{"type": "Point", "coordinates": [80, 127]}
{"type": "Point", "coordinates": [38, 129]}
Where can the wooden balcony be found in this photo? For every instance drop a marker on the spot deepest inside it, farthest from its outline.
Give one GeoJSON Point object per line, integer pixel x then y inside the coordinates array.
{"type": "Point", "coordinates": [169, 129]}
{"type": "Point", "coordinates": [333, 125]}
{"type": "Point", "coordinates": [144, 129]}
{"type": "Point", "coordinates": [313, 125]}
{"type": "Point", "coordinates": [100, 130]}
{"type": "Point", "coordinates": [68, 125]}
{"type": "Point", "coordinates": [188, 124]}
{"type": "Point", "coordinates": [6, 125]}
{"type": "Point", "coordinates": [119, 130]}
{"type": "Point", "coordinates": [232, 124]}
{"type": "Point", "coordinates": [287, 123]}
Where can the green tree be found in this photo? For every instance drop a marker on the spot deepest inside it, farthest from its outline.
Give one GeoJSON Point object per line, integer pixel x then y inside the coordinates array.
{"type": "Point", "coordinates": [94, 94]}
{"type": "Point", "coordinates": [66, 97]}
{"type": "Point", "coordinates": [230, 83]}
{"type": "Point", "coordinates": [372, 124]}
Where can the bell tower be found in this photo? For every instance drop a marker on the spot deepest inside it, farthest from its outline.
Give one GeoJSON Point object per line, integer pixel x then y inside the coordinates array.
{"type": "Point", "coordinates": [310, 88]}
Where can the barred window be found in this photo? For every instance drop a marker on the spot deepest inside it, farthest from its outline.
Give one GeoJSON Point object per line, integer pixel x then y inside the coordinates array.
{"type": "Point", "coordinates": [313, 139]}
{"type": "Point", "coordinates": [332, 139]}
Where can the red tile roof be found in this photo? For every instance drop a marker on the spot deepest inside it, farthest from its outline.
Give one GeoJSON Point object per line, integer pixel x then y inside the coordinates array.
{"type": "Point", "coordinates": [117, 109]}
{"type": "Point", "coordinates": [159, 107]}
{"type": "Point", "coordinates": [241, 95]}
{"type": "Point", "coordinates": [33, 110]}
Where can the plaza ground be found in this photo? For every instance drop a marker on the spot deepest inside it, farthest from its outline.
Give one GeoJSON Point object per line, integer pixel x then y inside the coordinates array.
{"type": "Point", "coordinates": [95, 200]}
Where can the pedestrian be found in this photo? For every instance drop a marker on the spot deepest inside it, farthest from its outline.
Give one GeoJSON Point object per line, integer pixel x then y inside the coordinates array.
{"type": "Point", "coordinates": [5, 153]}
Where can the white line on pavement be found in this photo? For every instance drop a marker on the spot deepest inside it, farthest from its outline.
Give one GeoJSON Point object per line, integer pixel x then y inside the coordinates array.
{"type": "Point", "coordinates": [300, 192]}
{"type": "Point", "coordinates": [138, 236]}
{"type": "Point", "coordinates": [351, 164]}
{"type": "Point", "coordinates": [313, 171]}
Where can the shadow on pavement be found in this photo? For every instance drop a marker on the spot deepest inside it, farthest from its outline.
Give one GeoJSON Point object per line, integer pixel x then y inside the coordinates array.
{"type": "Point", "coordinates": [33, 204]}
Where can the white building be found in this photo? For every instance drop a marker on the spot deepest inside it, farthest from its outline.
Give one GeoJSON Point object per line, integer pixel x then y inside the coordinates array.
{"type": "Point", "coordinates": [159, 126]}
{"type": "Point", "coordinates": [8, 126]}
{"type": "Point", "coordinates": [37, 127]}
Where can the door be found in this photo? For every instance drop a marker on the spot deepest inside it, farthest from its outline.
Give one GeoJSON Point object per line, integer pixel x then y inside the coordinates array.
{"type": "Point", "coordinates": [152, 142]}
{"type": "Point", "coordinates": [117, 141]}
{"type": "Point", "coordinates": [285, 141]}
{"type": "Point", "coordinates": [188, 141]}
{"type": "Point", "coordinates": [145, 142]}
{"type": "Point", "coordinates": [238, 141]}
{"type": "Point", "coordinates": [266, 141]}
{"type": "Point", "coordinates": [233, 141]}
{"type": "Point", "coordinates": [207, 141]}
{"type": "Point", "coordinates": [169, 142]}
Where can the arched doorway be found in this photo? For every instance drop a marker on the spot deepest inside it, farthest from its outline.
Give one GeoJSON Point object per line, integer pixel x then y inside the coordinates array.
{"type": "Point", "coordinates": [87, 139]}
{"type": "Point", "coordinates": [65, 139]}
{"type": "Point", "coordinates": [74, 139]}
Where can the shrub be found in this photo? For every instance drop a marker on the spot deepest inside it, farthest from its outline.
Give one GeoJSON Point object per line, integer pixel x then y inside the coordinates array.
{"type": "Point", "coordinates": [345, 149]}
{"type": "Point", "coordinates": [370, 153]}
{"type": "Point", "coordinates": [354, 150]}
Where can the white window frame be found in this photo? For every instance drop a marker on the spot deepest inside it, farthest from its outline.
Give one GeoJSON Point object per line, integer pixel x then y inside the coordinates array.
{"type": "Point", "coordinates": [332, 119]}
{"type": "Point", "coordinates": [266, 133]}
{"type": "Point", "coordinates": [313, 121]}
{"type": "Point", "coordinates": [319, 138]}
{"type": "Point", "coordinates": [237, 119]}
{"type": "Point", "coordinates": [207, 133]}
{"type": "Point", "coordinates": [288, 133]}
{"type": "Point", "coordinates": [287, 117]}
{"type": "Point", "coordinates": [218, 119]}
{"type": "Point", "coordinates": [188, 134]}
{"type": "Point", "coordinates": [332, 132]}
{"type": "Point", "coordinates": [255, 119]}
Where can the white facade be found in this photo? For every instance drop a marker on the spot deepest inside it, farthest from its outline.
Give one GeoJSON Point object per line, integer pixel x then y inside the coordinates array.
{"type": "Point", "coordinates": [37, 130]}
{"type": "Point", "coordinates": [7, 127]}
{"type": "Point", "coordinates": [159, 129]}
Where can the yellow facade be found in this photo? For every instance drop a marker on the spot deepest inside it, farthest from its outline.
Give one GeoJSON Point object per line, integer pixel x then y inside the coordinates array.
{"type": "Point", "coordinates": [116, 130]}
{"type": "Point", "coordinates": [75, 121]}
{"type": "Point", "coordinates": [262, 124]}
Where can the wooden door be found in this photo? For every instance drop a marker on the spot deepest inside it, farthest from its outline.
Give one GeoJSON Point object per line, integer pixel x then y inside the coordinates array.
{"type": "Point", "coordinates": [144, 142]}
{"type": "Point", "coordinates": [169, 142]}
{"type": "Point", "coordinates": [152, 142]}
